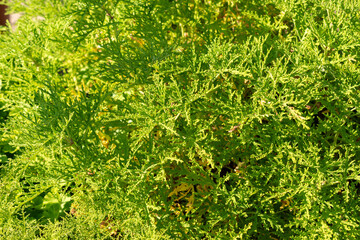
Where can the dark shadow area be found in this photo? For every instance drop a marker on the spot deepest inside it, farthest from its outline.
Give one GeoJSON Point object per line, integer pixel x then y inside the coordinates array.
{"type": "Point", "coordinates": [3, 17]}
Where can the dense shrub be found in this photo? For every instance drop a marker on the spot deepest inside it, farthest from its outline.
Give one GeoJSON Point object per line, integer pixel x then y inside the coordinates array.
{"type": "Point", "coordinates": [181, 119]}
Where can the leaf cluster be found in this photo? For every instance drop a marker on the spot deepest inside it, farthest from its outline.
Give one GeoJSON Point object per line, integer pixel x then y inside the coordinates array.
{"type": "Point", "coordinates": [169, 119]}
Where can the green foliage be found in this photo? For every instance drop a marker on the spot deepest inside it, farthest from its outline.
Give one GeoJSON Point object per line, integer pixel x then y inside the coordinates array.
{"type": "Point", "coordinates": [179, 119]}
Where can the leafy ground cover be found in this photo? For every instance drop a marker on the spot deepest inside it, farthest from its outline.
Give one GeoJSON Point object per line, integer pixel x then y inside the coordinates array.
{"type": "Point", "coordinates": [170, 119]}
